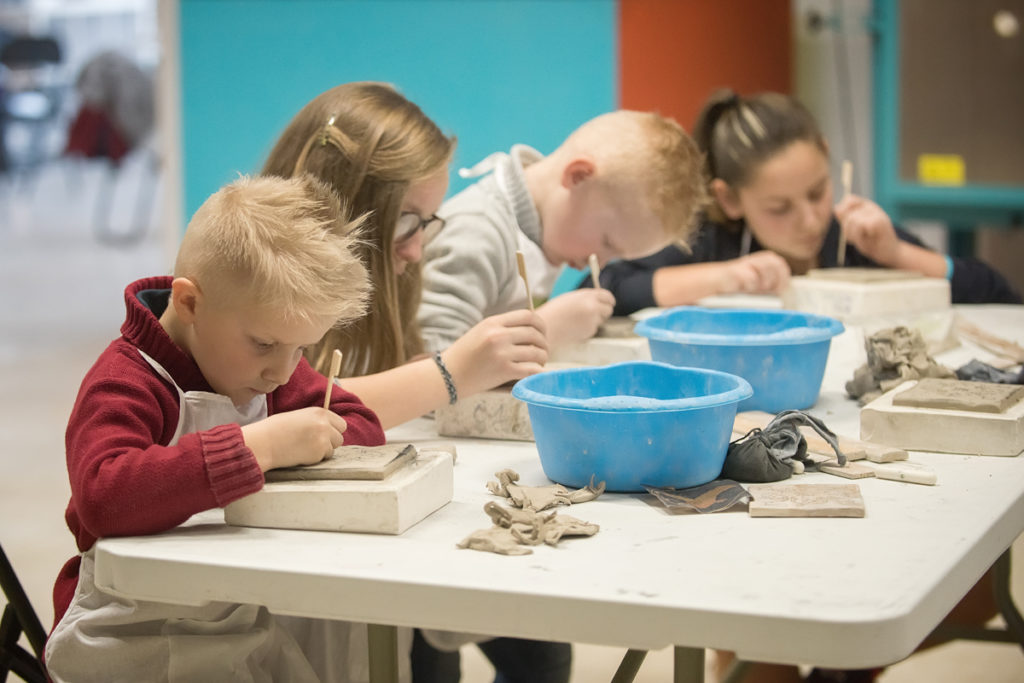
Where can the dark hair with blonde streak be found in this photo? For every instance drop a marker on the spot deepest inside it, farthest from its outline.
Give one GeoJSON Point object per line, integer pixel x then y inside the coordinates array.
{"type": "Point", "coordinates": [369, 143]}
{"type": "Point", "coordinates": [738, 134]}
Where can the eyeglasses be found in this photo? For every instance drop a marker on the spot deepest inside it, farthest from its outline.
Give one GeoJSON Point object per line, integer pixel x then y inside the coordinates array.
{"type": "Point", "coordinates": [409, 223]}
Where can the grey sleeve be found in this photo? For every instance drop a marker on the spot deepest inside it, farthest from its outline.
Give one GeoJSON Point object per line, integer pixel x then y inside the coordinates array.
{"type": "Point", "coordinates": [466, 276]}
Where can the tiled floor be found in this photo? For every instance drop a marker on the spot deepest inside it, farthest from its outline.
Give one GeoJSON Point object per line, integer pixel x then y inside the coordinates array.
{"type": "Point", "coordinates": [60, 304]}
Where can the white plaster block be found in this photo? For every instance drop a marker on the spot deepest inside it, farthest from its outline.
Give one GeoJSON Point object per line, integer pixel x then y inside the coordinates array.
{"type": "Point", "coordinates": [865, 298]}
{"type": "Point", "coordinates": [387, 506]}
{"type": "Point", "coordinates": [603, 351]}
{"type": "Point", "coordinates": [493, 414]}
{"type": "Point", "coordinates": [944, 431]}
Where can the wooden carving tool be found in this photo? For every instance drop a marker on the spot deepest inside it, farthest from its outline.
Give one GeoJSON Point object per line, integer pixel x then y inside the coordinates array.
{"type": "Point", "coordinates": [522, 273]}
{"type": "Point", "coordinates": [335, 368]}
{"type": "Point", "coordinates": [595, 271]}
{"type": "Point", "coordinates": [847, 180]}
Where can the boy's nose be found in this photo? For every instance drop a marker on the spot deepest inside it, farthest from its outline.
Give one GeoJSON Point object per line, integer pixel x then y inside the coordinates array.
{"type": "Point", "coordinates": [280, 370]}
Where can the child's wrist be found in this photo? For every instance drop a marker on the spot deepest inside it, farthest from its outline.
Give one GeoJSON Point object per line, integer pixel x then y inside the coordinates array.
{"type": "Point", "coordinates": [446, 376]}
{"type": "Point", "coordinates": [949, 266]}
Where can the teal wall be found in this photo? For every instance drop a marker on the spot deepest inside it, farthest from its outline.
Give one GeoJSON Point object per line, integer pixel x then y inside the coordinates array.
{"type": "Point", "coordinates": [492, 72]}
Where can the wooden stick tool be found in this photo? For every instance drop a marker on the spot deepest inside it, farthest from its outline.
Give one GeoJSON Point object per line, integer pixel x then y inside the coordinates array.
{"type": "Point", "coordinates": [521, 262]}
{"type": "Point", "coordinates": [595, 271]}
{"type": "Point", "coordinates": [335, 369]}
{"type": "Point", "coordinates": [847, 180]}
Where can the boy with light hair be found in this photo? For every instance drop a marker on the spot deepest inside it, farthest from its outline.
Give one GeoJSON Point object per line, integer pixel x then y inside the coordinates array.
{"type": "Point", "coordinates": [623, 185]}
{"type": "Point", "coordinates": [206, 390]}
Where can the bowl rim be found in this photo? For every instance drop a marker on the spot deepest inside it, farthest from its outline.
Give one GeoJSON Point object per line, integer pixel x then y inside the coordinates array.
{"type": "Point", "coordinates": [649, 328]}
{"type": "Point", "coordinates": [609, 404]}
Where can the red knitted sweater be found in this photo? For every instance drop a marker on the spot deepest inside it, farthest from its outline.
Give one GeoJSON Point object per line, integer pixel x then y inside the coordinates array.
{"type": "Point", "coordinates": [124, 480]}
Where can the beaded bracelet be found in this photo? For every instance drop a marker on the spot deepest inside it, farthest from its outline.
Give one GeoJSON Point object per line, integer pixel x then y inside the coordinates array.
{"type": "Point", "coordinates": [449, 383]}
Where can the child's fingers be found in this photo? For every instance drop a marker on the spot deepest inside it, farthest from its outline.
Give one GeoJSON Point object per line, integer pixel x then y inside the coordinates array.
{"type": "Point", "coordinates": [846, 205]}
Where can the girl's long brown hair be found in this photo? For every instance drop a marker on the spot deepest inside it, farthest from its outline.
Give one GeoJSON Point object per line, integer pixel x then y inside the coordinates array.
{"type": "Point", "coordinates": [369, 143]}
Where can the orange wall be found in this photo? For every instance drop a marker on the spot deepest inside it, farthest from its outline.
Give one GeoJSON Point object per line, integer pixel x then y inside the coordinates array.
{"type": "Point", "coordinates": [674, 53]}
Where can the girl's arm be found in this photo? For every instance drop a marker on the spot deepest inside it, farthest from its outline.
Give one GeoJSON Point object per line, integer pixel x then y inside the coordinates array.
{"type": "Point", "coordinates": [497, 350]}
{"type": "Point", "coordinates": [759, 273]}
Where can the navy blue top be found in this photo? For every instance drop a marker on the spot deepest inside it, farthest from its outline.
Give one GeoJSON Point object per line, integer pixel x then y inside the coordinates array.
{"type": "Point", "coordinates": [973, 282]}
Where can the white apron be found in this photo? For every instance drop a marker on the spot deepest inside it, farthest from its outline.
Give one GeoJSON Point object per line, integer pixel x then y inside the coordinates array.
{"type": "Point", "coordinates": [104, 637]}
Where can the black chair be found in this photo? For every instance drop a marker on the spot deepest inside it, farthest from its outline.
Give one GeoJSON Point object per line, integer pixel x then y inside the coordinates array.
{"type": "Point", "coordinates": [29, 95]}
{"type": "Point", "coordinates": [19, 617]}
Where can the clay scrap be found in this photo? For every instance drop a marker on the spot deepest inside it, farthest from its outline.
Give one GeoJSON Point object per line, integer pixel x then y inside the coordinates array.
{"type": "Point", "coordinates": [805, 500]}
{"type": "Point", "coordinates": [715, 496]}
{"type": "Point", "coordinates": [955, 394]}
{"type": "Point", "coordinates": [538, 498]}
{"type": "Point", "coordinates": [515, 530]}
{"type": "Point", "coordinates": [350, 462]}
{"type": "Point", "coordinates": [895, 355]}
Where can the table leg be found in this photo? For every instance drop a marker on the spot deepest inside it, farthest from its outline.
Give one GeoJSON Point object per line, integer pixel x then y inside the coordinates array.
{"type": "Point", "coordinates": [689, 665]}
{"type": "Point", "coordinates": [626, 673]}
{"type": "Point", "coordinates": [382, 643]}
{"type": "Point", "coordinates": [1014, 621]}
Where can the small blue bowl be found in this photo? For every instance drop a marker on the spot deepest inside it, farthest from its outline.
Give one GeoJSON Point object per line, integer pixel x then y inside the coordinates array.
{"type": "Point", "coordinates": [781, 353]}
{"type": "Point", "coordinates": [632, 424]}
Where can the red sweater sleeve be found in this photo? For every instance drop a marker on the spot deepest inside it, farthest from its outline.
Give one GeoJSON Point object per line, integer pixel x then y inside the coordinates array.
{"type": "Point", "coordinates": [306, 388]}
{"type": "Point", "coordinates": [122, 481]}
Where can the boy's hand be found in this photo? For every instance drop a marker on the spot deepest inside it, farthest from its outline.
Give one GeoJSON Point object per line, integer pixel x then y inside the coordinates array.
{"type": "Point", "coordinates": [868, 228]}
{"type": "Point", "coordinates": [763, 272]}
{"type": "Point", "coordinates": [575, 316]}
{"type": "Point", "coordinates": [497, 350]}
{"type": "Point", "coordinates": [299, 437]}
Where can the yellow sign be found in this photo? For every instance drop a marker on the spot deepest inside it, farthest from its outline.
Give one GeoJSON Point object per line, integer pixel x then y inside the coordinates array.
{"type": "Point", "coordinates": [941, 169]}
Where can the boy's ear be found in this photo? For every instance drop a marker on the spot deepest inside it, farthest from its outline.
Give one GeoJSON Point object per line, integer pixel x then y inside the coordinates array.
{"type": "Point", "coordinates": [185, 297]}
{"type": "Point", "coordinates": [727, 199]}
{"type": "Point", "coordinates": [576, 171]}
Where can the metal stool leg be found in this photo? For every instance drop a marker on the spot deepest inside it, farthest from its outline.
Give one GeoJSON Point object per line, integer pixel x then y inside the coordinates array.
{"type": "Point", "coordinates": [629, 667]}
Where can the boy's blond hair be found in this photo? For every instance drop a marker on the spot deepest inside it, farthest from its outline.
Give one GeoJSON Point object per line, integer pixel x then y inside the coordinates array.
{"type": "Point", "coordinates": [647, 155]}
{"type": "Point", "coordinates": [282, 244]}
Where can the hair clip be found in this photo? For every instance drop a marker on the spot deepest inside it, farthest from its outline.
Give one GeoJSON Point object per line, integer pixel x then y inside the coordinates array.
{"type": "Point", "coordinates": [326, 132]}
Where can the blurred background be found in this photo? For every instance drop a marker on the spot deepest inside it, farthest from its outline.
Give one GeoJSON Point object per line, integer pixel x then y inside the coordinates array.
{"type": "Point", "coordinates": [119, 117]}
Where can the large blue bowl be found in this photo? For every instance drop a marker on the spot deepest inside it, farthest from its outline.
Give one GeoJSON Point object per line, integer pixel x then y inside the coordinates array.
{"type": "Point", "coordinates": [781, 353]}
{"type": "Point", "coordinates": [632, 424]}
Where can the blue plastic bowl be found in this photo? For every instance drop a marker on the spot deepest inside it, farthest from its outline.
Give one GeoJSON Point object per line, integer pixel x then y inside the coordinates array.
{"type": "Point", "coordinates": [781, 353]}
{"type": "Point", "coordinates": [632, 424]}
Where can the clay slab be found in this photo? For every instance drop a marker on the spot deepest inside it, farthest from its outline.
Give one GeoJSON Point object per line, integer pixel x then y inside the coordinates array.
{"type": "Point", "coordinates": [388, 506]}
{"type": "Point", "coordinates": [862, 274]}
{"type": "Point", "coordinates": [944, 431]}
{"type": "Point", "coordinates": [350, 462]}
{"type": "Point", "coordinates": [805, 500]}
{"type": "Point", "coordinates": [955, 394]}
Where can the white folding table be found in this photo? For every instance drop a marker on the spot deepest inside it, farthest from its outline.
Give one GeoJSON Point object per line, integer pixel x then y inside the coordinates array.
{"type": "Point", "coordinates": [835, 592]}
